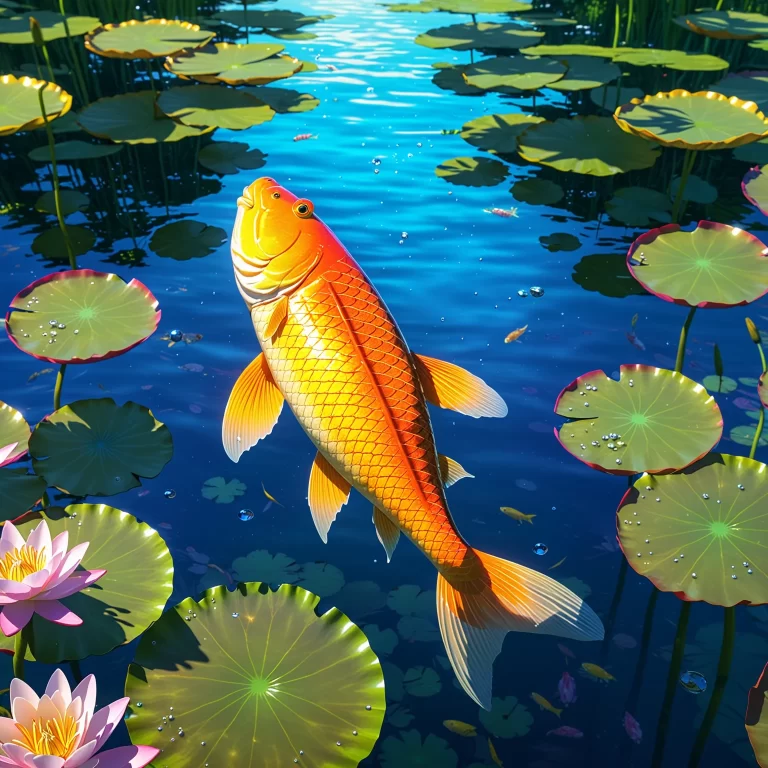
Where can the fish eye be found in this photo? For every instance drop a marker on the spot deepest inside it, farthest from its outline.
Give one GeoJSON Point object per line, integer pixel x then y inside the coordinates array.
{"type": "Point", "coordinates": [275, 195]}
{"type": "Point", "coordinates": [303, 208]}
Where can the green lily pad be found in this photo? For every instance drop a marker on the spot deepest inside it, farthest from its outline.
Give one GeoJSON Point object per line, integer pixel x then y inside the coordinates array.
{"type": "Point", "coordinates": [411, 600]}
{"type": "Point", "coordinates": [421, 682]}
{"type": "Point", "coordinates": [15, 29]}
{"type": "Point", "coordinates": [255, 675]}
{"type": "Point", "coordinates": [588, 145]}
{"type": "Point", "coordinates": [230, 157]}
{"type": "Point", "coordinates": [234, 64]}
{"type": "Point", "coordinates": [407, 750]}
{"type": "Point", "coordinates": [696, 190]}
{"type": "Point", "coordinates": [507, 718]}
{"type": "Point", "coordinates": [607, 274]}
{"type": "Point", "coordinates": [14, 434]}
{"type": "Point", "coordinates": [81, 316]}
{"type": "Point", "coordinates": [472, 171]}
{"type": "Point", "coordinates": [417, 629]}
{"type": "Point", "coordinates": [450, 78]}
{"type": "Point", "coordinates": [281, 24]}
{"type": "Point", "coordinates": [465, 37]}
{"type": "Point", "coordinates": [749, 381]}
{"type": "Point", "coordinates": [146, 39]}
{"type": "Point", "coordinates": [284, 100]}
{"type": "Point", "coordinates": [702, 120]}
{"type": "Point", "coordinates": [586, 72]}
{"type": "Point", "coordinates": [663, 420]}
{"type": "Point", "coordinates": [20, 103]}
{"type": "Point", "coordinates": [756, 719]}
{"type": "Point", "coordinates": [711, 514]}
{"type": "Point", "coordinates": [424, 6]}
{"type": "Point", "coordinates": [263, 566]}
{"type": "Point", "coordinates": [755, 153]}
{"type": "Point", "coordinates": [497, 133]}
{"type": "Point", "coordinates": [212, 106]}
{"type": "Point", "coordinates": [383, 641]}
{"type": "Point", "coordinates": [638, 206]}
{"type": "Point", "coordinates": [537, 191]}
{"type": "Point", "coordinates": [50, 243]}
{"type": "Point", "coordinates": [30, 70]}
{"type": "Point", "coordinates": [323, 579]}
{"type": "Point", "coordinates": [754, 185]}
{"type": "Point", "coordinates": [563, 51]}
{"type": "Point", "coordinates": [610, 97]}
{"type": "Point", "coordinates": [713, 266]}
{"type": "Point", "coordinates": [481, 6]}
{"type": "Point", "coordinates": [745, 435]}
{"type": "Point", "coordinates": [523, 73]}
{"type": "Point", "coordinates": [545, 20]}
{"type": "Point", "coordinates": [728, 25]}
{"type": "Point", "coordinates": [72, 201]}
{"type": "Point", "coordinates": [187, 239]}
{"type": "Point", "coordinates": [679, 60]}
{"type": "Point", "coordinates": [19, 491]}
{"type": "Point", "coordinates": [560, 241]}
{"type": "Point", "coordinates": [750, 86]}
{"type": "Point", "coordinates": [134, 118]}
{"type": "Point", "coordinates": [720, 385]}
{"type": "Point", "coordinates": [127, 599]}
{"type": "Point", "coordinates": [360, 598]}
{"type": "Point", "coordinates": [98, 448]}
{"type": "Point", "coordinates": [66, 151]}
{"type": "Point", "coordinates": [223, 491]}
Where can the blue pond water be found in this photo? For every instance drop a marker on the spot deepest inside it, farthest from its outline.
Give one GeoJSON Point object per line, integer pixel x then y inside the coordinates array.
{"type": "Point", "coordinates": [453, 285]}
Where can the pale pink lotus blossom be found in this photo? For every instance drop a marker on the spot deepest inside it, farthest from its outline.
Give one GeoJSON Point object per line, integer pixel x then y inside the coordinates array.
{"type": "Point", "coordinates": [61, 730]}
{"type": "Point", "coordinates": [7, 454]}
{"type": "Point", "coordinates": [36, 574]}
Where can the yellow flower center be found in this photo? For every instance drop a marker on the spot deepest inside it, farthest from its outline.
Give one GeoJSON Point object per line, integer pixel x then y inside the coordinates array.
{"type": "Point", "coordinates": [56, 737]}
{"type": "Point", "coordinates": [20, 563]}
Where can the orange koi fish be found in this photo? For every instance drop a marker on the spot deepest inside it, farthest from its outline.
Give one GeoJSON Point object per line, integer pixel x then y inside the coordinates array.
{"type": "Point", "coordinates": [333, 352]}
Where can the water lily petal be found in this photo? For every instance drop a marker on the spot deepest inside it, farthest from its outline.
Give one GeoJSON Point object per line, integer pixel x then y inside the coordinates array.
{"type": "Point", "coordinates": [123, 757]}
{"type": "Point", "coordinates": [7, 760]}
{"type": "Point", "coordinates": [11, 591]}
{"type": "Point", "coordinates": [52, 610]}
{"type": "Point", "coordinates": [60, 544]}
{"type": "Point", "coordinates": [17, 754]}
{"type": "Point", "coordinates": [8, 729]}
{"type": "Point", "coordinates": [81, 754]}
{"type": "Point", "coordinates": [47, 761]}
{"type": "Point", "coordinates": [74, 583]}
{"type": "Point", "coordinates": [23, 691]}
{"type": "Point", "coordinates": [59, 683]}
{"type": "Point", "coordinates": [105, 721]}
{"type": "Point", "coordinates": [15, 617]}
{"type": "Point", "coordinates": [72, 560]}
{"type": "Point", "coordinates": [6, 451]}
{"type": "Point", "coordinates": [36, 581]}
{"type": "Point", "coordinates": [40, 539]}
{"type": "Point", "coordinates": [10, 539]}
{"type": "Point", "coordinates": [86, 691]}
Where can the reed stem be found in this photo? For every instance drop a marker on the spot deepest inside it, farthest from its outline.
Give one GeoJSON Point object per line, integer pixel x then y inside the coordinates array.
{"type": "Point", "coordinates": [680, 360]}
{"type": "Point", "coordinates": [57, 387]}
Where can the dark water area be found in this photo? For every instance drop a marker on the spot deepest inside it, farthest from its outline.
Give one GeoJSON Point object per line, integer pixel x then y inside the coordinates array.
{"type": "Point", "coordinates": [452, 284]}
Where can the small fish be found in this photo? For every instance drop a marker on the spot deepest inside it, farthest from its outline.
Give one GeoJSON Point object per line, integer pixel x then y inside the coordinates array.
{"type": "Point", "coordinates": [635, 342]}
{"type": "Point", "coordinates": [597, 672]}
{"type": "Point", "coordinates": [494, 754]}
{"type": "Point", "coordinates": [331, 68]}
{"type": "Point", "coordinates": [544, 704]}
{"type": "Point", "coordinates": [567, 731]}
{"type": "Point", "coordinates": [515, 514]}
{"type": "Point", "coordinates": [503, 212]}
{"type": "Point", "coordinates": [557, 564]}
{"type": "Point", "coordinates": [634, 320]}
{"type": "Point", "coordinates": [515, 335]}
{"type": "Point", "coordinates": [304, 136]}
{"type": "Point", "coordinates": [633, 729]}
{"type": "Point", "coordinates": [39, 373]}
{"type": "Point", "coordinates": [566, 689]}
{"type": "Point", "coordinates": [270, 497]}
{"type": "Point", "coordinates": [463, 729]}
{"type": "Point", "coordinates": [187, 338]}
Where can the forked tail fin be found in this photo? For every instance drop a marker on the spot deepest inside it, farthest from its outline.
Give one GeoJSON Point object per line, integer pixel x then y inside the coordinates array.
{"type": "Point", "coordinates": [506, 597]}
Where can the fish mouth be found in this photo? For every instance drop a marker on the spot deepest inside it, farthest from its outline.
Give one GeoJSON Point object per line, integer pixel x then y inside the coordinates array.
{"type": "Point", "coordinates": [245, 200]}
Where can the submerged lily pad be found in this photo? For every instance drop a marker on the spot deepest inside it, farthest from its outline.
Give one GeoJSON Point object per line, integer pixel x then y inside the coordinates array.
{"type": "Point", "coordinates": [235, 64]}
{"type": "Point", "coordinates": [299, 684]}
{"type": "Point", "coordinates": [212, 106]}
{"type": "Point", "coordinates": [81, 316]}
{"type": "Point", "coordinates": [537, 191]}
{"type": "Point", "coordinates": [651, 420]}
{"type": "Point", "coordinates": [412, 600]}
{"type": "Point", "coordinates": [701, 120]}
{"type": "Point", "coordinates": [611, 96]}
{"type": "Point", "coordinates": [497, 133]}
{"type": "Point", "coordinates": [417, 629]}
{"type": "Point", "coordinates": [20, 103]}
{"type": "Point", "coordinates": [507, 718]}
{"type": "Point", "coordinates": [127, 599]}
{"type": "Point", "coordinates": [728, 25]}
{"type": "Point", "coordinates": [755, 153]}
{"type": "Point", "coordinates": [283, 100]}
{"type": "Point", "coordinates": [586, 72]}
{"type": "Point", "coordinates": [465, 37]}
{"type": "Point", "coordinates": [15, 30]}
{"type": "Point", "coordinates": [98, 448]}
{"type": "Point", "coordinates": [421, 682]}
{"type": "Point", "coordinates": [66, 151]}
{"type": "Point", "coordinates": [523, 73]}
{"type": "Point", "coordinates": [19, 491]}
{"type": "Point", "coordinates": [263, 566]}
{"type": "Point", "coordinates": [754, 185]}
{"type": "Point", "coordinates": [450, 78]}
{"type": "Point", "coordinates": [472, 171]}
{"type": "Point", "coordinates": [706, 530]}
{"type": "Point", "coordinates": [406, 750]}
{"type": "Point", "coordinates": [637, 206]}
{"type": "Point", "coordinates": [745, 435]}
{"type": "Point", "coordinates": [134, 118]}
{"type": "Point", "coordinates": [146, 39]}
{"type": "Point", "coordinates": [713, 266]}
{"type": "Point", "coordinates": [720, 384]}
{"type": "Point", "coordinates": [71, 200]}
{"type": "Point", "coordinates": [222, 491]}
{"type": "Point", "coordinates": [383, 641]}
{"type": "Point", "coordinates": [323, 579]}
{"type": "Point", "coordinates": [50, 243]}
{"type": "Point", "coordinates": [14, 434]}
{"type": "Point", "coordinates": [187, 239]}
{"type": "Point", "coordinates": [607, 274]}
{"type": "Point", "coordinates": [696, 190]}
{"type": "Point", "coordinates": [230, 157]}
{"type": "Point", "coordinates": [588, 145]}
{"type": "Point", "coordinates": [286, 25]}
{"type": "Point", "coordinates": [560, 241]}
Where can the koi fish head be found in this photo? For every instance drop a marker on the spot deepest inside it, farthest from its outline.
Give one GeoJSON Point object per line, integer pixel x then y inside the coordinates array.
{"type": "Point", "coordinates": [276, 241]}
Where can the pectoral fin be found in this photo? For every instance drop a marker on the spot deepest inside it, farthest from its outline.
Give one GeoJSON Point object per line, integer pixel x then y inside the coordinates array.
{"type": "Point", "coordinates": [451, 471]}
{"type": "Point", "coordinates": [387, 531]}
{"type": "Point", "coordinates": [450, 386]}
{"type": "Point", "coordinates": [328, 493]}
{"type": "Point", "coordinates": [252, 410]}
{"type": "Point", "coordinates": [279, 313]}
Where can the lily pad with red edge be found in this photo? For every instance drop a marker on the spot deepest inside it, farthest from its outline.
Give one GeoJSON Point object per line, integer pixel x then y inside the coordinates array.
{"type": "Point", "coordinates": [756, 718]}
{"type": "Point", "coordinates": [98, 448]}
{"type": "Point", "coordinates": [497, 133]}
{"type": "Point", "coordinates": [754, 185]}
{"type": "Point", "coordinates": [19, 492]}
{"type": "Point", "coordinates": [651, 420]}
{"type": "Point", "coordinates": [126, 600]}
{"type": "Point", "coordinates": [700, 533]}
{"type": "Point", "coordinates": [262, 668]}
{"type": "Point", "coordinates": [14, 435]}
{"type": "Point", "coordinates": [713, 266]}
{"type": "Point", "coordinates": [81, 316]}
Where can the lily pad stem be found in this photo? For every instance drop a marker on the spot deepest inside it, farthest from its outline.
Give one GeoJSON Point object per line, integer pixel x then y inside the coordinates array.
{"type": "Point", "coordinates": [20, 645]}
{"type": "Point", "coordinates": [688, 160]}
{"type": "Point", "coordinates": [613, 610]}
{"type": "Point", "coordinates": [723, 668]}
{"type": "Point", "coordinates": [617, 24]}
{"type": "Point", "coordinates": [630, 19]}
{"type": "Point", "coordinates": [58, 385]}
{"type": "Point", "coordinates": [79, 77]}
{"type": "Point", "coordinates": [680, 360]}
{"type": "Point", "coordinates": [672, 681]}
{"type": "Point", "coordinates": [77, 673]}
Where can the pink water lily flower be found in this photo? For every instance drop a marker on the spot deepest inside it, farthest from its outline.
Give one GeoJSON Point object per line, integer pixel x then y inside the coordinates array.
{"type": "Point", "coordinates": [61, 730]}
{"type": "Point", "coordinates": [35, 574]}
{"type": "Point", "coordinates": [7, 454]}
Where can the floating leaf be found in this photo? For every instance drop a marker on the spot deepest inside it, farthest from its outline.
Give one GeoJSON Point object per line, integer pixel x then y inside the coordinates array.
{"type": "Point", "coordinates": [507, 718]}
{"type": "Point", "coordinates": [67, 151]}
{"type": "Point", "coordinates": [523, 73]}
{"type": "Point", "coordinates": [610, 97]}
{"type": "Point", "coordinates": [537, 191]}
{"type": "Point", "coordinates": [323, 579]}
{"type": "Point", "coordinates": [412, 600]}
{"type": "Point", "coordinates": [81, 316]}
{"type": "Point", "coordinates": [719, 384]}
{"type": "Point", "coordinates": [422, 682]}
{"type": "Point", "coordinates": [98, 448]}
{"type": "Point", "coordinates": [713, 266]}
{"type": "Point", "coordinates": [15, 29]}
{"type": "Point", "coordinates": [755, 153]}
{"type": "Point", "coordinates": [560, 241]}
{"type": "Point", "coordinates": [607, 274]}
{"type": "Point", "coordinates": [187, 239]}
{"type": "Point", "coordinates": [472, 171]}
{"type": "Point", "coordinates": [754, 185]}
{"type": "Point", "coordinates": [711, 515]}
{"type": "Point", "coordinates": [745, 435]}
{"type": "Point", "coordinates": [399, 716]}
{"type": "Point", "coordinates": [406, 750]}
{"type": "Point", "coordinates": [588, 145]}
{"type": "Point", "coordinates": [701, 120]}
{"type": "Point", "coordinates": [211, 106]}
{"type": "Point", "coordinates": [20, 103]}
{"type": "Point", "coordinates": [637, 206]}
{"type": "Point", "coordinates": [497, 133]}
{"type": "Point", "coordinates": [465, 37]}
{"type": "Point", "coordinates": [134, 118]}
{"type": "Point", "coordinates": [750, 86]}
{"type": "Point", "coordinates": [651, 420]}
{"type": "Point", "coordinates": [146, 39]}
{"type": "Point", "coordinates": [281, 24]}
{"type": "Point", "coordinates": [14, 435]}
{"type": "Point", "coordinates": [284, 100]}
{"type": "Point", "coordinates": [586, 72]}
{"type": "Point", "coordinates": [383, 641]}
{"type": "Point", "coordinates": [72, 201]}
{"type": "Point", "coordinates": [727, 25]}
{"type": "Point", "coordinates": [680, 60]}
{"type": "Point", "coordinates": [696, 190]}
{"type": "Point", "coordinates": [223, 491]}
{"type": "Point", "coordinates": [50, 243]}
{"type": "Point", "coordinates": [256, 673]}
{"type": "Point", "coordinates": [230, 157]}
{"type": "Point", "coordinates": [263, 566]}
{"type": "Point", "coordinates": [418, 629]}
{"type": "Point", "coordinates": [19, 491]}
{"type": "Point", "coordinates": [452, 79]}
{"type": "Point", "coordinates": [126, 600]}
